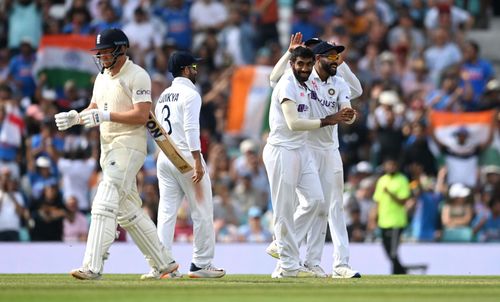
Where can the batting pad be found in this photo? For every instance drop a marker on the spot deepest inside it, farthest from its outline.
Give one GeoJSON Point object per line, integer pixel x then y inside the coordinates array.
{"type": "Point", "coordinates": [102, 226]}
{"type": "Point", "coordinates": [143, 231]}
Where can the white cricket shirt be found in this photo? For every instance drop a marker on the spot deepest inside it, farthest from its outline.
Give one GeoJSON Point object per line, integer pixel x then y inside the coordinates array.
{"type": "Point", "coordinates": [280, 135]}
{"type": "Point", "coordinates": [178, 111]}
{"type": "Point", "coordinates": [325, 99]}
{"type": "Point", "coordinates": [119, 93]}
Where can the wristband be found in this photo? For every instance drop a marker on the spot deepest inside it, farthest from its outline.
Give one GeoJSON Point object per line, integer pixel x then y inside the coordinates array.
{"type": "Point", "coordinates": [106, 116]}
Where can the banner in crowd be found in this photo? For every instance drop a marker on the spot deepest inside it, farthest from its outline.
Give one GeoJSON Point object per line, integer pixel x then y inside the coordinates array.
{"type": "Point", "coordinates": [249, 103]}
{"type": "Point", "coordinates": [476, 124]}
{"type": "Point", "coordinates": [12, 129]}
{"type": "Point", "coordinates": [66, 57]}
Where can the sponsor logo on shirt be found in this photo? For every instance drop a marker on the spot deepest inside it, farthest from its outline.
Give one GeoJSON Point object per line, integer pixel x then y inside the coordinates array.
{"type": "Point", "coordinates": [143, 92]}
{"type": "Point", "coordinates": [302, 108]}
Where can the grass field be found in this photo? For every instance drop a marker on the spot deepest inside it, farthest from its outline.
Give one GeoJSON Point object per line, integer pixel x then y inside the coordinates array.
{"type": "Point", "coordinates": [240, 288]}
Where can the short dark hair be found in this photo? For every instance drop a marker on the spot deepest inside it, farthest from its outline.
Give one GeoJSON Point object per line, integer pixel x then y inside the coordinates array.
{"type": "Point", "coordinates": [302, 52]}
{"type": "Point", "coordinates": [474, 45]}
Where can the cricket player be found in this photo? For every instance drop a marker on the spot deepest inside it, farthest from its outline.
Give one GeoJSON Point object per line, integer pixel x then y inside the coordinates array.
{"type": "Point", "coordinates": [329, 93]}
{"type": "Point", "coordinates": [289, 164]}
{"type": "Point", "coordinates": [121, 116]}
{"type": "Point", "coordinates": [178, 110]}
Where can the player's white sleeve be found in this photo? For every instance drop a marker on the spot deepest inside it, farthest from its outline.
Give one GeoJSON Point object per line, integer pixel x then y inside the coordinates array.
{"type": "Point", "coordinates": [141, 88]}
{"type": "Point", "coordinates": [292, 118]}
{"type": "Point", "coordinates": [345, 98]}
{"type": "Point", "coordinates": [192, 122]}
{"type": "Point", "coordinates": [279, 69]}
{"type": "Point", "coordinates": [345, 72]}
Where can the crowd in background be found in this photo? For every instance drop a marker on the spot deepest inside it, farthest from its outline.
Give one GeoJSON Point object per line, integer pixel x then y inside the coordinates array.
{"type": "Point", "coordinates": [411, 56]}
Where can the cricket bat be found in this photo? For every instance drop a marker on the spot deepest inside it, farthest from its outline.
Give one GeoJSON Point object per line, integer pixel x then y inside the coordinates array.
{"type": "Point", "coordinates": [167, 145]}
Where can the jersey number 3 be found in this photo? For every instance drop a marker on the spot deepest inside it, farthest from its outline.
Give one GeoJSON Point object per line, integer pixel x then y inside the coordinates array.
{"type": "Point", "coordinates": [165, 118]}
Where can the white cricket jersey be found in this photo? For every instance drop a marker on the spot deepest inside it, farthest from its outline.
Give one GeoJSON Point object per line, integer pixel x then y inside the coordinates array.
{"type": "Point", "coordinates": [325, 99]}
{"type": "Point", "coordinates": [119, 93]}
{"type": "Point", "coordinates": [280, 135]}
{"type": "Point", "coordinates": [178, 111]}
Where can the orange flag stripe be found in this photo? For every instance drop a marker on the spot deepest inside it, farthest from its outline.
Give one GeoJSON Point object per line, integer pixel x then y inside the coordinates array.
{"type": "Point", "coordinates": [241, 85]}
{"type": "Point", "coordinates": [440, 118]}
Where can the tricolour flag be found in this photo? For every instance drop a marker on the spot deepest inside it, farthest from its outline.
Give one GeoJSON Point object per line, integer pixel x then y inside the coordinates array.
{"type": "Point", "coordinates": [249, 102]}
{"type": "Point", "coordinates": [477, 124]}
{"type": "Point", "coordinates": [66, 57]}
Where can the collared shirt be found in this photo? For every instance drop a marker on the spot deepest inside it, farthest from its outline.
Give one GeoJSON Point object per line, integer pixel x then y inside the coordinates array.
{"type": "Point", "coordinates": [178, 111]}
{"type": "Point", "coordinates": [326, 98]}
{"type": "Point", "coordinates": [280, 135]}
{"type": "Point", "coordinates": [119, 93]}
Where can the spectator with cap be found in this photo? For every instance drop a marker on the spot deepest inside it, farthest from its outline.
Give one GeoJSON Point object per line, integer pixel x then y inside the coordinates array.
{"type": "Point", "coordinates": [457, 214]}
{"type": "Point", "coordinates": [491, 97]}
{"type": "Point", "coordinates": [253, 231]}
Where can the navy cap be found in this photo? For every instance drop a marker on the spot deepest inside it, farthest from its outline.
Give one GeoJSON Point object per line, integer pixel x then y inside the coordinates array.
{"type": "Point", "coordinates": [312, 41]}
{"type": "Point", "coordinates": [325, 47]}
{"type": "Point", "coordinates": [180, 59]}
{"type": "Point", "coordinates": [110, 38]}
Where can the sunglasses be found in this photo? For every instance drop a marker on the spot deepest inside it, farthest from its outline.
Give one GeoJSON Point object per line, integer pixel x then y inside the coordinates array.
{"type": "Point", "coordinates": [332, 57]}
{"type": "Point", "coordinates": [194, 66]}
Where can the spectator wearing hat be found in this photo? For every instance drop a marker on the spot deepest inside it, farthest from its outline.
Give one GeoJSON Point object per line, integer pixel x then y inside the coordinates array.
{"type": "Point", "coordinates": [253, 231]}
{"type": "Point", "coordinates": [457, 214]}
{"type": "Point", "coordinates": [39, 177]}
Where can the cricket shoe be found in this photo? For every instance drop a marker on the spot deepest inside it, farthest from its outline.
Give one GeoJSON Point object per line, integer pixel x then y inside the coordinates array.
{"type": "Point", "coordinates": [85, 274]}
{"type": "Point", "coordinates": [345, 272]}
{"type": "Point", "coordinates": [272, 250]}
{"type": "Point", "coordinates": [317, 270]}
{"type": "Point", "coordinates": [209, 271]}
{"type": "Point", "coordinates": [154, 274]}
{"type": "Point", "coordinates": [301, 272]}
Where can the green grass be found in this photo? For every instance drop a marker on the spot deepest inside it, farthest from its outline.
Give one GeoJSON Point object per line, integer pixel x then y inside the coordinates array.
{"type": "Point", "coordinates": [241, 288]}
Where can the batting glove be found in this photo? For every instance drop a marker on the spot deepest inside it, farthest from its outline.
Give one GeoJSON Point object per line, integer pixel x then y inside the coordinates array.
{"type": "Point", "coordinates": [94, 117]}
{"type": "Point", "coordinates": [65, 120]}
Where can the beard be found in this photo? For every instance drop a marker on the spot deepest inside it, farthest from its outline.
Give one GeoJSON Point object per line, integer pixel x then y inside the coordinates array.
{"type": "Point", "coordinates": [301, 76]}
{"type": "Point", "coordinates": [330, 68]}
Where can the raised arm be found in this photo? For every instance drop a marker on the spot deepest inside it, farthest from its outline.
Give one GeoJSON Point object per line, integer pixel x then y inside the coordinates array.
{"type": "Point", "coordinates": [280, 67]}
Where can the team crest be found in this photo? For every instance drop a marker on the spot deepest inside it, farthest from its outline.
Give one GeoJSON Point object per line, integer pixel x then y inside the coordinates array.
{"type": "Point", "coordinates": [331, 91]}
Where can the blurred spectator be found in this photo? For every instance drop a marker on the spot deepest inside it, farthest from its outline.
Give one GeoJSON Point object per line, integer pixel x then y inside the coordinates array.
{"type": "Point", "coordinates": [25, 22]}
{"type": "Point", "coordinates": [462, 154]}
{"type": "Point", "coordinates": [109, 19]}
{"type": "Point", "coordinates": [449, 96]}
{"type": "Point", "coordinates": [253, 231]}
{"type": "Point", "coordinates": [4, 64]}
{"type": "Point", "coordinates": [426, 221]}
{"type": "Point", "coordinates": [304, 22]}
{"type": "Point", "coordinates": [441, 53]}
{"type": "Point", "coordinates": [75, 224]}
{"type": "Point", "coordinates": [247, 196]}
{"type": "Point", "coordinates": [356, 230]}
{"type": "Point", "coordinates": [11, 132]}
{"type": "Point", "coordinates": [491, 97]}
{"type": "Point", "coordinates": [476, 72]}
{"type": "Point", "coordinates": [48, 213]}
{"type": "Point", "coordinates": [200, 24]}
{"type": "Point", "coordinates": [417, 150]}
{"type": "Point", "coordinates": [175, 15]}
{"type": "Point", "coordinates": [13, 208]}
{"type": "Point", "coordinates": [457, 214]}
{"type": "Point", "coordinates": [78, 22]}
{"type": "Point", "coordinates": [416, 78]}
{"type": "Point", "coordinates": [21, 69]}
{"type": "Point", "coordinates": [379, 7]}
{"type": "Point", "coordinates": [150, 197]}
{"type": "Point", "coordinates": [183, 228]}
{"type": "Point", "coordinates": [227, 215]}
{"type": "Point", "coordinates": [491, 229]}
{"type": "Point", "coordinates": [406, 32]}
{"type": "Point", "coordinates": [265, 19]}
{"type": "Point", "coordinates": [391, 195]}
{"type": "Point", "coordinates": [445, 9]}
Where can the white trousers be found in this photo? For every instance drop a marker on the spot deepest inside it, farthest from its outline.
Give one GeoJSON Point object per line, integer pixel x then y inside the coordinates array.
{"type": "Point", "coordinates": [288, 171]}
{"type": "Point", "coordinates": [174, 186]}
{"type": "Point", "coordinates": [329, 165]}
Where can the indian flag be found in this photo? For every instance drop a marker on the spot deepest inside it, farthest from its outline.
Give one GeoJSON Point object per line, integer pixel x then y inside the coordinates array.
{"type": "Point", "coordinates": [447, 124]}
{"type": "Point", "coordinates": [249, 102]}
{"type": "Point", "coordinates": [66, 57]}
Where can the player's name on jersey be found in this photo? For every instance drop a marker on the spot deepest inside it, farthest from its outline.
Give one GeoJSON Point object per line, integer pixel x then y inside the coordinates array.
{"type": "Point", "coordinates": [169, 97]}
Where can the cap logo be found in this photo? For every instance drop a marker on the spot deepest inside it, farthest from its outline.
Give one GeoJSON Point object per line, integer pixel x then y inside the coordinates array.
{"type": "Point", "coordinates": [98, 40]}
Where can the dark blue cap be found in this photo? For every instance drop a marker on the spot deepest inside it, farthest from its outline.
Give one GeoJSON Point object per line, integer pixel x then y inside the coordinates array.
{"type": "Point", "coordinates": [110, 38]}
{"type": "Point", "coordinates": [179, 60]}
{"type": "Point", "coordinates": [324, 47]}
